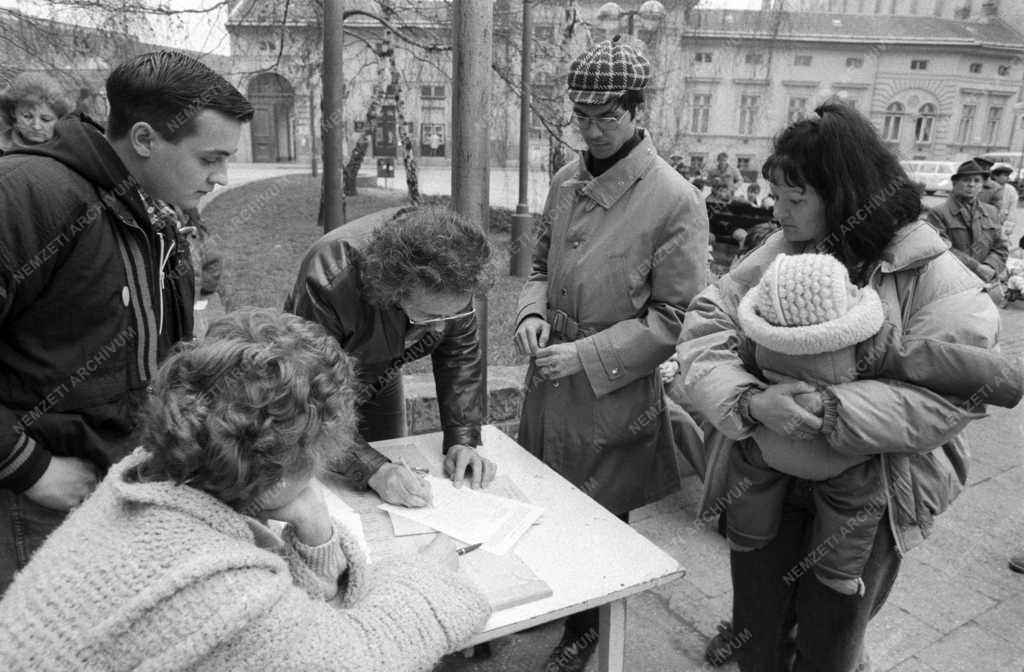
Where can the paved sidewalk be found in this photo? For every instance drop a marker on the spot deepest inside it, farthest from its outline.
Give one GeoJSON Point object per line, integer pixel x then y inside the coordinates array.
{"type": "Point", "coordinates": [434, 180]}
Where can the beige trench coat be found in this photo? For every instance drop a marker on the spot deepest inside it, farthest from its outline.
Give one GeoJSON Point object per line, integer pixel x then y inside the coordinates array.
{"type": "Point", "coordinates": [622, 254]}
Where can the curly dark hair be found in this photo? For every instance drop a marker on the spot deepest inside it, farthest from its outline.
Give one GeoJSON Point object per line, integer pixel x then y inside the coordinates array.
{"type": "Point", "coordinates": [429, 248]}
{"type": "Point", "coordinates": [264, 396]}
{"type": "Point", "coordinates": [33, 88]}
{"type": "Point", "coordinates": [866, 192]}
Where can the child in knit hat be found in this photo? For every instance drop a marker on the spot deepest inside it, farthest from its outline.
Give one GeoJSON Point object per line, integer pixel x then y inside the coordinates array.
{"type": "Point", "coordinates": [806, 320]}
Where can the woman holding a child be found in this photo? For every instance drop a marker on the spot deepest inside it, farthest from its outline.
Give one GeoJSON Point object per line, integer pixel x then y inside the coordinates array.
{"type": "Point", "coordinates": [842, 377]}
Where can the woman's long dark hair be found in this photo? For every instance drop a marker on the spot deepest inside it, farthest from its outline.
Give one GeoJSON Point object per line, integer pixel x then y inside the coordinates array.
{"type": "Point", "coordinates": [867, 194]}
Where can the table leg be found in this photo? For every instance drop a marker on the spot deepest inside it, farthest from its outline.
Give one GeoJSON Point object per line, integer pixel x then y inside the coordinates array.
{"type": "Point", "coordinates": [611, 647]}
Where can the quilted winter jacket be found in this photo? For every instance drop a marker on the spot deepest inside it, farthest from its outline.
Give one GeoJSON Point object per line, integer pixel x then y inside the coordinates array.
{"type": "Point", "coordinates": [928, 295]}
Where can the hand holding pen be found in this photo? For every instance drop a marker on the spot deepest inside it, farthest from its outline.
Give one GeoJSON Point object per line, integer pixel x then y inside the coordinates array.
{"type": "Point", "coordinates": [399, 484]}
{"type": "Point", "coordinates": [418, 484]}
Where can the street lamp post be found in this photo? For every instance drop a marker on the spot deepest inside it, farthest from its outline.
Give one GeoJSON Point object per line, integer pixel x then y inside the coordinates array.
{"type": "Point", "coordinates": [330, 119]}
{"type": "Point", "coordinates": [519, 261]}
{"type": "Point", "coordinates": [471, 76]}
{"type": "Point", "coordinates": [651, 14]}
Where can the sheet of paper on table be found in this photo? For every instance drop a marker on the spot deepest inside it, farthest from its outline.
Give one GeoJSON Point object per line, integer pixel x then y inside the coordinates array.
{"type": "Point", "coordinates": [505, 580]}
{"type": "Point", "coordinates": [501, 486]}
{"type": "Point", "coordinates": [472, 516]}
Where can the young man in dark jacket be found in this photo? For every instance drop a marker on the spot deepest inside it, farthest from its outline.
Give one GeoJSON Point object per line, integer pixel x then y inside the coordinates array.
{"type": "Point", "coordinates": [95, 281]}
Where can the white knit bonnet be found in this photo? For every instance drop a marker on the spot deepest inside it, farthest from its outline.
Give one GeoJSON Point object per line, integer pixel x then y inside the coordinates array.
{"type": "Point", "coordinates": [805, 304]}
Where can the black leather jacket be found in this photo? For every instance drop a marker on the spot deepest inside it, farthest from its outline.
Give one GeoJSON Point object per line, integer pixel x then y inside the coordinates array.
{"type": "Point", "coordinates": [329, 291]}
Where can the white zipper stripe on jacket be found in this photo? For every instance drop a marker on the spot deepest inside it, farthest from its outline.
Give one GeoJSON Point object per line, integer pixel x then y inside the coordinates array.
{"type": "Point", "coordinates": [163, 264]}
{"type": "Point", "coordinates": [138, 305]}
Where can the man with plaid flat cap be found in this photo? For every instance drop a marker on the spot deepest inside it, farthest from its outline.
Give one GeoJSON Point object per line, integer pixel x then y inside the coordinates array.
{"type": "Point", "coordinates": [620, 253]}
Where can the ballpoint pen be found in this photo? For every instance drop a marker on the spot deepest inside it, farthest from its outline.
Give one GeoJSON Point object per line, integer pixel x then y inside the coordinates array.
{"type": "Point", "coordinates": [467, 549]}
{"type": "Point", "coordinates": [417, 470]}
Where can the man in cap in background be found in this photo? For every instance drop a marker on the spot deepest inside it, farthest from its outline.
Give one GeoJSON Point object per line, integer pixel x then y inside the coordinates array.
{"type": "Point", "coordinates": [1007, 197]}
{"type": "Point", "coordinates": [621, 250]}
{"type": "Point", "coordinates": [972, 227]}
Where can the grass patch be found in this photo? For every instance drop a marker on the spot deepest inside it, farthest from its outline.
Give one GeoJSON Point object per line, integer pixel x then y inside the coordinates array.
{"type": "Point", "coordinates": [275, 224]}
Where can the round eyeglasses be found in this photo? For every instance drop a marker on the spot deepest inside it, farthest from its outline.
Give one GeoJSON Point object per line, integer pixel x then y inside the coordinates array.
{"type": "Point", "coordinates": [603, 123]}
{"type": "Point", "coordinates": [444, 318]}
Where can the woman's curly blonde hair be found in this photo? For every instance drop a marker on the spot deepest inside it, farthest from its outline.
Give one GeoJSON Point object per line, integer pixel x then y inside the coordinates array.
{"type": "Point", "coordinates": [264, 396]}
{"type": "Point", "coordinates": [33, 88]}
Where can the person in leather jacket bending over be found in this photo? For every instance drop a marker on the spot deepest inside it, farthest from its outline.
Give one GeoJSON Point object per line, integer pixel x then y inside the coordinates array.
{"type": "Point", "coordinates": [392, 292]}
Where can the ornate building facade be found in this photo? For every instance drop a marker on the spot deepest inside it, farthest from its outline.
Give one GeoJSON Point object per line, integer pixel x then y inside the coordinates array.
{"type": "Point", "coordinates": [939, 79]}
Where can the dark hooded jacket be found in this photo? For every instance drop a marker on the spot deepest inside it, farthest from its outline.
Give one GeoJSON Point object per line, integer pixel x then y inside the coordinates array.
{"type": "Point", "coordinates": [83, 320]}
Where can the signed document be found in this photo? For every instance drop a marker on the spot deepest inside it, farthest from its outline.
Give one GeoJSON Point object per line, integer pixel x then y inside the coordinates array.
{"type": "Point", "coordinates": [473, 516]}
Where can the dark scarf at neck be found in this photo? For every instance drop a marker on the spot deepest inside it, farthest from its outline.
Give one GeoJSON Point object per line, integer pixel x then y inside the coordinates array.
{"type": "Point", "coordinates": [965, 201]}
{"type": "Point", "coordinates": [597, 166]}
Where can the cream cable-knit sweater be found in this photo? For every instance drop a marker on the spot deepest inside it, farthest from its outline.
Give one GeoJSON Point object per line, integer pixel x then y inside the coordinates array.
{"type": "Point", "coordinates": [154, 577]}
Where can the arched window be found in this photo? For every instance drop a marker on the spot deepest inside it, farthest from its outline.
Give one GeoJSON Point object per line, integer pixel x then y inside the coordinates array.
{"type": "Point", "coordinates": [893, 120]}
{"type": "Point", "coordinates": [924, 123]}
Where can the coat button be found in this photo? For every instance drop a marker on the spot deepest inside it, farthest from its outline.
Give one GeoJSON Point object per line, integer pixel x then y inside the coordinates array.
{"type": "Point", "coordinates": [126, 296]}
{"type": "Point", "coordinates": [576, 243]}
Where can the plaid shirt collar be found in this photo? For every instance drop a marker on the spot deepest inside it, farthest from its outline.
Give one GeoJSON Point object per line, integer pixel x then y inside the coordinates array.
{"type": "Point", "coordinates": [161, 213]}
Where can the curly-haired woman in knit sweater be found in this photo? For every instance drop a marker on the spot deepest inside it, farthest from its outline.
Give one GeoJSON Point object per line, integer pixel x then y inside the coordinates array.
{"type": "Point", "coordinates": [170, 565]}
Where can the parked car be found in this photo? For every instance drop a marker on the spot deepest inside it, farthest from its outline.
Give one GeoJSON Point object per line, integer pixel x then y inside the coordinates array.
{"type": "Point", "coordinates": [1012, 158]}
{"type": "Point", "coordinates": [934, 175]}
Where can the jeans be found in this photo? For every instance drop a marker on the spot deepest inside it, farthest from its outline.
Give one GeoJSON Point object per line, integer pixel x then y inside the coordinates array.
{"type": "Point", "coordinates": [773, 594]}
{"type": "Point", "coordinates": [24, 526]}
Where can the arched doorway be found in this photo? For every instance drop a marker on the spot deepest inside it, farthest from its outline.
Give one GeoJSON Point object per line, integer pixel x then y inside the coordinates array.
{"type": "Point", "coordinates": [273, 100]}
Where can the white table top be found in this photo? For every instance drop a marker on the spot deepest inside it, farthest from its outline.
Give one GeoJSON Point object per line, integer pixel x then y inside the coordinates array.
{"type": "Point", "coordinates": [587, 555]}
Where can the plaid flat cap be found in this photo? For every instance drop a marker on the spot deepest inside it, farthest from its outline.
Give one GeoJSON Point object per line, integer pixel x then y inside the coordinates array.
{"type": "Point", "coordinates": [606, 71]}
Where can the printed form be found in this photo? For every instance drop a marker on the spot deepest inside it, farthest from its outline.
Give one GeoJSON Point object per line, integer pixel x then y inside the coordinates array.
{"type": "Point", "coordinates": [472, 516]}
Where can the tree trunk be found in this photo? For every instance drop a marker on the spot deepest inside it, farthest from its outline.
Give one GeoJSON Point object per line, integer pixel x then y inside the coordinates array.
{"type": "Point", "coordinates": [355, 161]}
{"type": "Point", "coordinates": [557, 155]}
{"type": "Point", "coordinates": [412, 180]}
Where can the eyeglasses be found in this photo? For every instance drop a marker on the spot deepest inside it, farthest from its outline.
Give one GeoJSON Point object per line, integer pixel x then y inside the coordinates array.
{"type": "Point", "coordinates": [603, 123]}
{"type": "Point", "coordinates": [445, 318]}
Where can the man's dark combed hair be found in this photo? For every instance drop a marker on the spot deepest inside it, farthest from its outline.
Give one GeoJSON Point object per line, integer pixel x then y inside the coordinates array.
{"type": "Point", "coordinates": [631, 101]}
{"type": "Point", "coordinates": [167, 90]}
{"type": "Point", "coordinates": [867, 194]}
{"type": "Point", "coordinates": [430, 248]}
